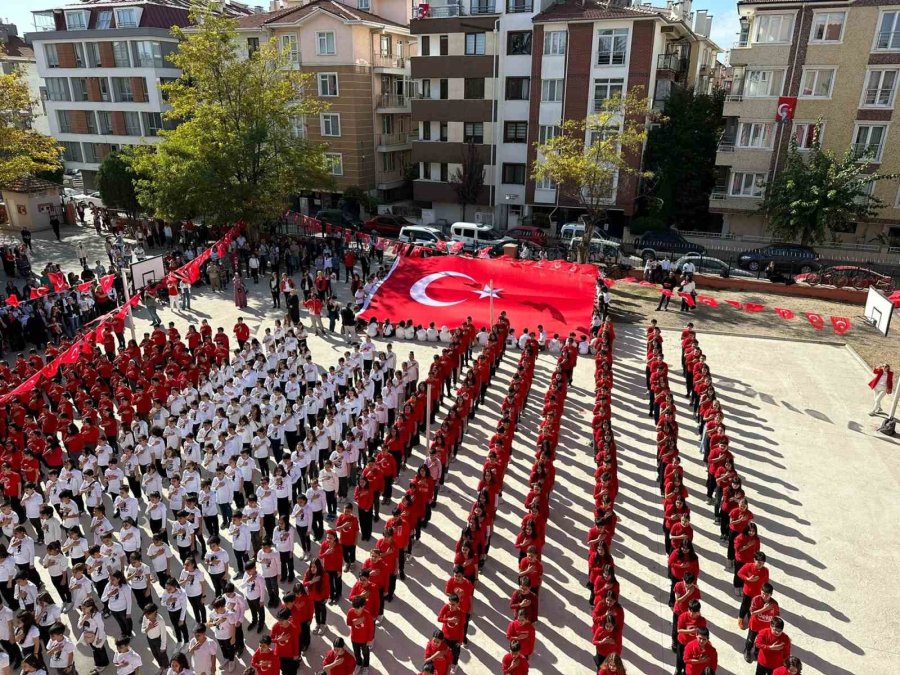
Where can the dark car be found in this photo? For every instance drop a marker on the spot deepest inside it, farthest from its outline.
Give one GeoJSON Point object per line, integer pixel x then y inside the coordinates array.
{"type": "Point", "coordinates": [533, 235]}
{"type": "Point", "coordinates": [338, 218]}
{"type": "Point", "coordinates": [652, 245]}
{"type": "Point", "coordinates": [790, 258]}
{"type": "Point", "coordinates": [387, 226]}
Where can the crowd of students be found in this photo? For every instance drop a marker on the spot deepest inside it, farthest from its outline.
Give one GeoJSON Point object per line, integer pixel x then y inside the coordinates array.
{"type": "Point", "coordinates": [766, 644]}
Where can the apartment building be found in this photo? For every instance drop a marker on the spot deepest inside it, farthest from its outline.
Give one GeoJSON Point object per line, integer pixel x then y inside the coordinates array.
{"type": "Point", "coordinates": [504, 74]}
{"type": "Point", "coordinates": [357, 53]}
{"type": "Point", "coordinates": [15, 53]}
{"type": "Point", "coordinates": [794, 63]}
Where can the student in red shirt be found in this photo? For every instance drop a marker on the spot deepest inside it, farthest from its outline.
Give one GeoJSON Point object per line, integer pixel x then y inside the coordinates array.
{"type": "Point", "coordinates": [265, 660]}
{"type": "Point", "coordinates": [347, 526]}
{"type": "Point", "coordinates": [453, 621]}
{"type": "Point", "coordinates": [688, 624]}
{"type": "Point", "coordinates": [286, 638]}
{"type": "Point", "coordinates": [763, 609]}
{"type": "Point", "coordinates": [612, 666]}
{"type": "Point", "coordinates": [339, 660]}
{"type": "Point", "coordinates": [438, 654]}
{"type": "Point", "coordinates": [754, 575]}
{"type": "Point", "coordinates": [774, 647]}
{"type": "Point", "coordinates": [521, 630]}
{"type": "Point", "coordinates": [332, 560]}
{"type": "Point", "coordinates": [362, 630]}
{"type": "Point", "coordinates": [515, 662]}
{"type": "Point", "coordinates": [464, 589]}
{"type": "Point", "coordinates": [700, 654]}
{"type": "Point", "coordinates": [241, 332]}
{"type": "Point", "coordinates": [792, 666]}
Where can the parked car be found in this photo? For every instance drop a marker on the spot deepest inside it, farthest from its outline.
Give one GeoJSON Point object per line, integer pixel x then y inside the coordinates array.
{"type": "Point", "coordinates": [89, 198]}
{"type": "Point", "coordinates": [418, 234]}
{"type": "Point", "coordinates": [474, 235]}
{"type": "Point", "coordinates": [790, 258]}
{"type": "Point", "coordinates": [338, 218]}
{"type": "Point", "coordinates": [441, 224]}
{"type": "Point", "coordinates": [706, 265]}
{"type": "Point", "coordinates": [529, 233]}
{"type": "Point", "coordinates": [653, 245]}
{"type": "Point", "coordinates": [385, 225]}
{"type": "Point", "coordinates": [847, 275]}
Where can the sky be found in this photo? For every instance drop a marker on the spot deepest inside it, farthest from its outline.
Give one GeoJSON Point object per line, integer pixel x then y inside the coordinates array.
{"type": "Point", "coordinates": [724, 32]}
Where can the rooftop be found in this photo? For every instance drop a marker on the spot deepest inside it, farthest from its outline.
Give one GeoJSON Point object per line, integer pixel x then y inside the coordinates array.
{"type": "Point", "coordinates": [30, 184]}
{"type": "Point", "coordinates": [592, 10]}
{"type": "Point", "coordinates": [16, 48]}
{"type": "Point", "coordinates": [294, 14]}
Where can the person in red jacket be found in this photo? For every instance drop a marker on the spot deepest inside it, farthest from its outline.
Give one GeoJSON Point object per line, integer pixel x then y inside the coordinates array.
{"type": "Point", "coordinates": [699, 654]}
{"type": "Point", "coordinates": [453, 624]}
{"type": "Point", "coordinates": [774, 647]}
{"type": "Point", "coordinates": [332, 560]}
{"type": "Point", "coordinates": [882, 383]}
{"type": "Point", "coordinates": [362, 631]}
{"type": "Point", "coordinates": [339, 660]}
{"type": "Point", "coordinates": [241, 332]}
{"type": "Point", "coordinates": [463, 589]}
{"type": "Point", "coordinates": [515, 662]}
{"type": "Point", "coordinates": [265, 660]}
{"type": "Point", "coordinates": [286, 639]}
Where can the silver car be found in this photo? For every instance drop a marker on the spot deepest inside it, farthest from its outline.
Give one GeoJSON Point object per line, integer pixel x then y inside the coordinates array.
{"type": "Point", "coordinates": [707, 265]}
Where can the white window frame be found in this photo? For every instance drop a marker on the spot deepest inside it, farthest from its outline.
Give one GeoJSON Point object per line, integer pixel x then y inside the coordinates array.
{"type": "Point", "coordinates": [126, 52]}
{"type": "Point", "coordinates": [478, 45]}
{"type": "Point", "coordinates": [336, 163]}
{"type": "Point", "coordinates": [104, 25]}
{"type": "Point", "coordinates": [547, 132]}
{"type": "Point", "coordinates": [863, 101]}
{"type": "Point", "coordinates": [760, 136]}
{"type": "Point", "coordinates": [773, 72]}
{"type": "Point", "coordinates": [324, 77]}
{"type": "Point", "coordinates": [322, 46]}
{"type": "Point", "coordinates": [610, 84]}
{"type": "Point", "coordinates": [808, 125]}
{"type": "Point", "coordinates": [290, 44]}
{"type": "Point", "coordinates": [828, 15]}
{"type": "Point", "coordinates": [747, 190]}
{"type": "Point", "coordinates": [893, 35]}
{"type": "Point", "coordinates": [58, 89]}
{"type": "Point", "coordinates": [545, 183]}
{"type": "Point", "coordinates": [51, 48]}
{"type": "Point", "coordinates": [555, 42]}
{"type": "Point", "coordinates": [856, 129]}
{"type": "Point", "coordinates": [554, 86]}
{"type": "Point", "coordinates": [613, 35]}
{"type": "Point", "coordinates": [364, 5]}
{"type": "Point", "coordinates": [768, 18]}
{"type": "Point", "coordinates": [82, 14]}
{"type": "Point", "coordinates": [328, 120]}
{"type": "Point", "coordinates": [819, 71]}
{"type": "Point", "coordinates": [128, 24]}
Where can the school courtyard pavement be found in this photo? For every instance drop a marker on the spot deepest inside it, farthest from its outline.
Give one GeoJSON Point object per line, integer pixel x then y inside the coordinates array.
{"type": "Point", "coordinates": [824, 487]}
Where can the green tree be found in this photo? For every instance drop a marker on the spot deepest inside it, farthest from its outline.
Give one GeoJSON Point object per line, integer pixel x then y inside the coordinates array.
{"type": "Point", "coordinates": [589, 156]}
{"type": "Point", "coordinates": [681, 153]}
{"type": "Point", "coordinates": [818, 193]}
{"type": "Point", "coordinates": [23, 151]}
{"type": "Point", "coordinates": [116, 182]}
{"type": "Point", "coordinates": [359, 200]}
{"type": "Point", "coordinates": [468, 180]}
{"type": "Point", "coordinates": [235, 153]}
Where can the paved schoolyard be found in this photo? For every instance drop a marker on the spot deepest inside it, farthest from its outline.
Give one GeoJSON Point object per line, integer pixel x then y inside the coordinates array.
{"type": "Point", "coordinates": [823, 486]}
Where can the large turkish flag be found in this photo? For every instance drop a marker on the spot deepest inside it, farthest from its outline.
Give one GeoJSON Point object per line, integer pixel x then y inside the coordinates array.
{"type": "Point", "coordinates": [447, 289]}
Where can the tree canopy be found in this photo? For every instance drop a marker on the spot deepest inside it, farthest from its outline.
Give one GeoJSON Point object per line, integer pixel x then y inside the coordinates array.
{"type": "Point", "coordinates": [23, 151]}
{"type": "Point", "coordinates": [236, 152]}
{"type": "Point", "coordinates": [116, 182]}
{"type": "Point", "coordinates": [818, 193]}
{"type": "Point", "coordinates": [468, 179]}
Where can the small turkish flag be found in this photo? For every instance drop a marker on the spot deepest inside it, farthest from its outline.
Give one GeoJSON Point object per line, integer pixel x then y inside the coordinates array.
{"type": "Point", "coordinates": [688, 299]}
{"type": "Point", "coordinates": [84, 288]}
{"type": "Point", "coordinates": [106, 282]}
{"type": "Point", "coordinates": [735, 304]}
{"type": "Point", "coordinates": [485, 252]}
{"type": "Point", "coordinates": [12, 301]}
{"type": "Point", "coordinates": [609, 283]}
{"type": "Point", "coordinates": [51, 369]}
{"type": "Point", "coordinates": [455, 247]}
{"type": "Point", "coordinates": [441, 245]}
{"type": "Point", "coordinates": [58, 279]}
{"type": "Point", "coordinates": [666, 292]}
{"type": "Point", "coordinates": [39, 292]}
{"type": "Point", "coordinates": [754, 307]}
{"type": "Point", "coordinates": [784, 313]}
{"type": "Point", "coordinates": [816, 320]}
{"type": "Point", "coordinates": [707, 300]}
{"type": "Point", "coordinates": [841, 324]}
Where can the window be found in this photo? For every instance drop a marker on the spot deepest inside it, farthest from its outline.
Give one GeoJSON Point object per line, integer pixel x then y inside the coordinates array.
{"type": "Point", "coordinates": [444, 45]}
{"type": "Point", "coordinates": [816, 82]}
{"type": "Point", "coordinates": [331, 124]}
{"type": "Point", "coordinates": [551, 90]}
{"type": "Point", "coordinates": [79, 54]}
{"type": "Point", "coordinates": [252, 46]}
{"type": "Point", "coordinates": [90, 121]}
{"type": "Point", "coordinates": [79, 89]}
{"type": "Point", "coordinates": [71, 151]}
{"type": "Point", "coordinates": [773, 28]}
{"type": "Point", "coordinates": [120, 55]}
{"type": "Point", "coordinates": [828, 27]}
{"type": "Point", "coordinates": [103, 85]}
{"type": "Point", "coordinates": [90, 153]}
{"type": "Point", "coordinates": [92, 53]}
{"type": "Point", "coordinates": [443, 89]}
{"type": "Point", "coordinates": [880, 88]}
{"type": "Point", "coordinates": [147, 54]}
{"type": "Point", "coordinates": [291, 47]}
{"type": "Point", "coordinates": [52, 55]}
{"type": "Point", "coordinates": [122, 89]}
{"type": "Point", "coordinates": [515, 132]}
{"type": "Point", "coordinates": [444, 172]}
{"type": "Point", "coordinates": [387, 161]}
{"type": "Point", "coordinates": [612, 46]}
{"type": "Point", "coordinates": [755, 135]}
{"type": "Point", "coordinates": [426, 88]}
{"type": "Point", "coordinates": [336, 163]}
{"type": "Point", "coordinates": [804, 133]}
{"type": "Point", "coordinates": [328, 84]}
{"type": "Point", "coordinates": [548, 131]}
{"type": "Point", "coordinates": [517, 88]}
{"type": "Point", "coordinates": [426, 131]}
{"type": "Point", "coordinates": [475, 43]}
{"type": "Point", "coordinates": [555, 43]}
{"type": "Point", "coordinates": [748, 184]}
{"type": "Point", "coordinates": [384, 45]}
{"type": "Point", "coordinates": [868, 141]}
{"type": "Point", "coordinates": [443, 131]}
{"type": "Point", "coordinates": [888, 35]}
{"type": "Point", "coordinates": [514, 174]}
{"type": "Point", "coordinates": [133, 122]}
{"type": "Point", "coordinates": [64, 119]}
{"type": "Point", "coordinates": [76, 20]}
{"type": "Point", "coordinates": [363, 5]}
{"type": "Point", "coordinates": [545, 183]}
{"type": "Point", "coordinates": [473, 87]}
{"type": "Point", "coordinates": [104, 19]}
{"type": "Point", "coordinates": [763, 83]}
{"type": "Point", "coordinates": [606, 88]}
{"type": "Point", "coordinates": [104, 122]}
{"type": "Point", "coordinates": [127, 17]}
{"type": "Point", "coordinates": [518, 6]}
{"type": "Point", "coordinates": [425, 45]}
{"type": "Point", "coordinates": [57, 88]}
{"type": "Point", "coordinates": [518, 43]}
{"type": "Point", "coordinates": [325, 45]}
{"type": "Point", "coordinates": [426, 171]}
{"type": "Point", "coordinates": [473, 132]}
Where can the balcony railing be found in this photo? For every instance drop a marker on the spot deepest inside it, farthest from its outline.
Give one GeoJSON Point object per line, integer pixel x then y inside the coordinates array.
{"type": "Point", "coordinates": [388, 176]}
{"type": "Point", "coordinates": [402, 138]}
{"type": "Point", "coordinates": [734, 98]}
{"type": "Point", "coordinates": [672, 62]}
{"type": "Point", "coordinates": [726, 145]}
{"type": "Point", "coordinates": [719, 192]}
{"type": "Point", "coordinates": [867, 151]}
{"type": "Point", "coordinates": [878, 96]}
{"type": "Point", "coordinates": [429, 11]}
{"type": "Point", "coordinates": [518, 6]}
{"type": "Point", "coordinates": [888, 40]}
{"type": "Point", "coordinates": [393, 101]}
{"type": "Point", "coordinates": [482, 7]}
{"type": "Point", "coordinates": [389, 61]}
{"type": "Point", "coordinates": [742, 43]}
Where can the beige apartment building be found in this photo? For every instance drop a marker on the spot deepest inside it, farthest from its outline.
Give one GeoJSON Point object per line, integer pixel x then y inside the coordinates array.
{"type": "Point", "coordinates": [357, 53]}
{"type": "Point", "coordinates": [835, 61]}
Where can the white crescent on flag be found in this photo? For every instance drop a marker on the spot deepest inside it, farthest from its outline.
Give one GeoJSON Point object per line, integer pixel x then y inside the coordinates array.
{"type": "Point", "coordinates": [419, 290]}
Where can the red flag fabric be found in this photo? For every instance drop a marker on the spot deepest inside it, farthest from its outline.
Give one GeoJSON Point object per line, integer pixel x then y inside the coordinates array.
{"type": "Point", "coordinates": [667, 292]}
{"type": "Point", "coordinates": [688, 299]}
{"type": "Point", "coordinates": [784, 313]}
{"type": "Point", "coordinates": [447, 289]}
{"type": "Point", "coordinates": [51, 369]}
{"type": "Point", "coordinates": [735, 304]}
{"type": "Point", "coordinates": [84, 288]}
{"type": "Point", "coordinates": [12, 301]}
{"type": "Point", "coordinates": [707, 300]}
{"type": "Point", "coordinates": [485, 252]}
{"type": "Point", "coordinates": [38, 292]}
{"type": "Point", "coordinates": [106, 282]}
{"type": "Point", "coordinates": [644, 282]}
{"type": "Point", "coordinates": [58, 279]}
{"type": "Point", "coordinates": [629, 280]}
{"type": "Point", "coordinates": [754, 307]}
{"type": "Point", "coordinates": [816, 320]}
{"type": "Point", "coordinates": [609, 283]}
{"type": "Point", "coordinates": [441, 245]}
{"type": "Point", "coordinates": [70, 356]}
{"type": "Point", "coordinates": [455, 247]}
{"type": "Point", "coordinates": [841, 324]}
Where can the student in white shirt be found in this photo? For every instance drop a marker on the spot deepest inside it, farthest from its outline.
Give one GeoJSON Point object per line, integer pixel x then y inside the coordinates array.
{"type": "Point", "coordinates": [154, 628]}
{"type": "Point", "coordinates": [117, 597]}
{"type": "Point", "coordinates": [126, 660]}
{"type": "Point", "coordinates": [202, 652]}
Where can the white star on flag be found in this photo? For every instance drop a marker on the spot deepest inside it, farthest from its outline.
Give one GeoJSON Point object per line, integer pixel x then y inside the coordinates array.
{"type": "Point", "coordinates": [488, 292]}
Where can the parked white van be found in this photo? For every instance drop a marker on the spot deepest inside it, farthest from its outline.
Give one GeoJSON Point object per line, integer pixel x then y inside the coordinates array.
{"type": "Point", "coordinates": [420, 234]}
{"type": "Point", "coordinates": [474, 235]}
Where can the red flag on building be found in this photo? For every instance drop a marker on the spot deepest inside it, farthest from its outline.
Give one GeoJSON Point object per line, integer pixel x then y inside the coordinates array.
{"type": "Point", "coordinates": [447, 289]}
{"type": "Point", "coordinates": [841, 324]}
{"type": "Point", "coordinates": [816, 320]}
{"type": "Point", "coordinates": [784, 313]}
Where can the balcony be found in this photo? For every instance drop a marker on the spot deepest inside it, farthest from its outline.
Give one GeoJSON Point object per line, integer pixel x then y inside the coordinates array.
{"type": "Point", "coordinates": [389, 61]}
{"type": "Point", "coordinates": [888, 40]}
{"type": "Point", "coordinates": [394, 142]}
{"type": "Point", "coordinates": [392, 103]}
{"type": "Point", "coordinates": [743, 42]}
{"type": "Point", "coordinates": [518, 6]}
{"type": "Point", "coordinates": [429, 11]}
{"type": "Point", "coordinates": [387, 180]}
{"type": "Point", "coordinates": [482, 7]}
{"type": "Point", "coordinates": [726, 145]}
{"type": "Point", "coordinates": [674, 62]}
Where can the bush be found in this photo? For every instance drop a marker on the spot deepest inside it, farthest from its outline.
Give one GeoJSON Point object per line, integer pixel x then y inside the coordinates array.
{"type": "Point", "coordinates": [643, 224]}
